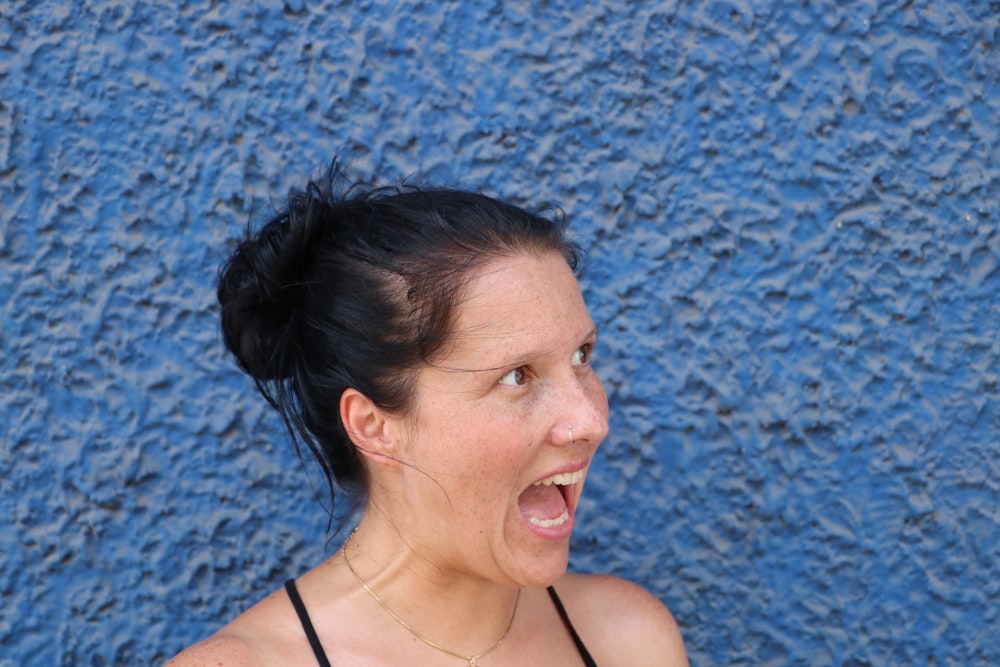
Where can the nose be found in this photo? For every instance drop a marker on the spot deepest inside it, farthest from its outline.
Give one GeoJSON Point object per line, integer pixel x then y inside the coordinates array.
{"type": "Point", "coordinates": [581, 406]}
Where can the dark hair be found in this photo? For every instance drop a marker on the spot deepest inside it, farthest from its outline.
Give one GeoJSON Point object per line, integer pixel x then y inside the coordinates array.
{"type": "Point", "coordinates": [351, 287]}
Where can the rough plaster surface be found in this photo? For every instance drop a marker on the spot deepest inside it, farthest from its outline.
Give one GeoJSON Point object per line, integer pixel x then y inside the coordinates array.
{"type": "Point", "coordinates": [794, 232]}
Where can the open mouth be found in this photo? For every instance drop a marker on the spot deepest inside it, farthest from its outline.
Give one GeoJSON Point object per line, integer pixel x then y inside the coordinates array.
{"type": "Point", "coordinates": [548, 503]}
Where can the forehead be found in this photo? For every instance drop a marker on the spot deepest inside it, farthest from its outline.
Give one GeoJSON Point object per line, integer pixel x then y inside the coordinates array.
{"type": "Point", "coordinates": [523, 304]}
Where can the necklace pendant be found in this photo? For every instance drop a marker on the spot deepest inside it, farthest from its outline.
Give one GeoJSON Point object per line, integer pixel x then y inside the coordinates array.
{"type": "Point", "coordinates": [472, 662]}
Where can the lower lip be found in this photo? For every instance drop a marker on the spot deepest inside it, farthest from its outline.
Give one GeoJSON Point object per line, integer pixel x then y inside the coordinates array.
{"type": "Point", "coordinates": [555, 533]}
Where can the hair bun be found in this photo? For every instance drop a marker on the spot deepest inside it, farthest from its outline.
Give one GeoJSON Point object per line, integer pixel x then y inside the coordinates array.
{"type": "Point", "coordinates": [260, 289]}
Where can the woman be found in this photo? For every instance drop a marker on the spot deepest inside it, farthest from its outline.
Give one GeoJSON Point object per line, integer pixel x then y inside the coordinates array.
{"type": "Point", "coordinates": [432, 348]}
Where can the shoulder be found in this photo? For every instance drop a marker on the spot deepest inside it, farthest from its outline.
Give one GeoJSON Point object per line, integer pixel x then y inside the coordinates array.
{"type": "Point", "coordinates": [219, 649]}
{"type": "Point", "coordinates": [620, 622]}
{"type": "Point", "coordinates": [262, 635]}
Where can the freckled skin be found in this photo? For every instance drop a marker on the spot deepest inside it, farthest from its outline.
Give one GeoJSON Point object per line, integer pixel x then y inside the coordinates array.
{"type": "Point", "coordinates": [491, 417]}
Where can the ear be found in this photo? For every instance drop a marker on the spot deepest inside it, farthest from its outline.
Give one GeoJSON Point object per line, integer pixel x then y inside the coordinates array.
{"type": "Point", "coordinates": [370, 429]}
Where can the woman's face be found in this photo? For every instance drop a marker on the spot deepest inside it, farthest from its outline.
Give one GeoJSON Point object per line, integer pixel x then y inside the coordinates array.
{"type": "Point", "coordinates": [494, 473]}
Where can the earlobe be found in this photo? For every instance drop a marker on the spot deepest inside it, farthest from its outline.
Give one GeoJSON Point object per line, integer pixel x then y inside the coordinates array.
{"type": "Point", "coordinates": [368, 427]}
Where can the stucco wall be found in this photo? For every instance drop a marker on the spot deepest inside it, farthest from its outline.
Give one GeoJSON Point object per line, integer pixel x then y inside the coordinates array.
{"type": "Point", "coordinates": [792, 217]}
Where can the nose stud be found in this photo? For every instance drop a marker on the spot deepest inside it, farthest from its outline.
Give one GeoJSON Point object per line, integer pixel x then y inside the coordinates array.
{"type": "Point", "coordinates": [571, 440]}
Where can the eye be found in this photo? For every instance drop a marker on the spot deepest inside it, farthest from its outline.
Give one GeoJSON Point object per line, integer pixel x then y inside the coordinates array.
{"type": "Point", "coordinates": [582, 356]}
{"type": "Point", "coordinates": [515, 377]}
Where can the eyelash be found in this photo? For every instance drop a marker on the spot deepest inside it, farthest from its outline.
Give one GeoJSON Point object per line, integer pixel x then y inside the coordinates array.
{"type": "Point", "coordinates": [520, 373]}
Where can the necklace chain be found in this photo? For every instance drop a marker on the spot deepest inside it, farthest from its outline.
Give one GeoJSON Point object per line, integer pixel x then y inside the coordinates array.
{"type": "Point", "coordinates": [470, 658]}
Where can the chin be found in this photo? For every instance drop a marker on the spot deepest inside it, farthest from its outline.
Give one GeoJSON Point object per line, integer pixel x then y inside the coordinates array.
{"type": "Point", "coordinates": [544, 568]}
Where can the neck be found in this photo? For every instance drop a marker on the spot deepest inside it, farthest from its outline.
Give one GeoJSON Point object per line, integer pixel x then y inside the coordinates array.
{"type": "Point", "coordinates": [419, 588]}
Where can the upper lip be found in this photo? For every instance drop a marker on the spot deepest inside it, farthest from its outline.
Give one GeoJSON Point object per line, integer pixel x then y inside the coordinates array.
{"type": "Point", "coordinates": [568, 468]}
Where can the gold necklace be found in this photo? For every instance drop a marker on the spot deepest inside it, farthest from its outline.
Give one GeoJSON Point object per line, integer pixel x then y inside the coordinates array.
{"type": "Point", "coordinates": [471, 658]}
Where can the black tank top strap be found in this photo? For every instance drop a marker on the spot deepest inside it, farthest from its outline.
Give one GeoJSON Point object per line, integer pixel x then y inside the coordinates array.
{"type": "Point", "coordinates": [307, 626]}
{"type": "Point", "coordinates": [317, 647]}
{"type": "Point", "coordinates": [587, 660]}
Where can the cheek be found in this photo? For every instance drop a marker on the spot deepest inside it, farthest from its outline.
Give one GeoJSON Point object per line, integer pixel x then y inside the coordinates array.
{"type": "Point", "coordinates": [485, 443]}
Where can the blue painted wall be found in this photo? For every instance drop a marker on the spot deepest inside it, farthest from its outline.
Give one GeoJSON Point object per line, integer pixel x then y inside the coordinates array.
{"type": "Point", "coordinates": [792, 212]}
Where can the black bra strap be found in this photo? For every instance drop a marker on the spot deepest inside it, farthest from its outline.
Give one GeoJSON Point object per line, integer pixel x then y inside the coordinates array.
{"type": "Point", "coordinates": [307, 626]}
{"type": "Point", "coordinates": [587, 660]}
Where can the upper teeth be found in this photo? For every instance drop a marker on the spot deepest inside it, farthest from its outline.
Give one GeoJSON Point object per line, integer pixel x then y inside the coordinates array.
{"type": "Point", "coordinates": [562, 479]}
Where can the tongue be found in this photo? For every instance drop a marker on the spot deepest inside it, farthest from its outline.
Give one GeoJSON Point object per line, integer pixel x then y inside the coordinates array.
{"type": "Point", "coordinates": [542, 502]}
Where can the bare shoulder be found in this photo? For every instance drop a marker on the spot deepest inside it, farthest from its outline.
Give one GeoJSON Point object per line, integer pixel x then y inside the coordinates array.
{"type": "Point", "coordinates": [620, 622]}
{"type": "Point", "coordinates": [263, 635]}
{"type": "Point", "coordinates": [218, 650]}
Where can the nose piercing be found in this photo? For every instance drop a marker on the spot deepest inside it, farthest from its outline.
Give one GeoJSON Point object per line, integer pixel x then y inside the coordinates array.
{"type": "Point", "coordinates": [571, 440]}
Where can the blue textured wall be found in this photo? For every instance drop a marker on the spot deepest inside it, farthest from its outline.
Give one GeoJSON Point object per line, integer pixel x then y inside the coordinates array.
{"type": "Point", "coordinates": [794, 231]}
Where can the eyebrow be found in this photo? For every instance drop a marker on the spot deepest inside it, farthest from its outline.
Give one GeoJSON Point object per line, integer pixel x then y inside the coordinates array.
{"type": "Point", "coordinates": [514, 361]}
